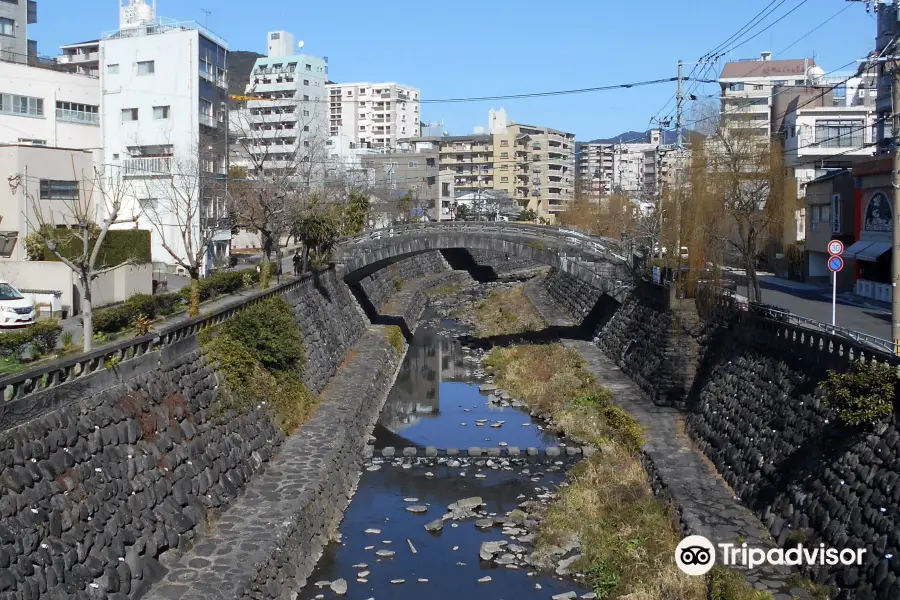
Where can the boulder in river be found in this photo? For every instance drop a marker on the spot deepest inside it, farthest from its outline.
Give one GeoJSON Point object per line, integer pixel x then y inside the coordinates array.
{"type": "Point", "coordinates": [339, 587]}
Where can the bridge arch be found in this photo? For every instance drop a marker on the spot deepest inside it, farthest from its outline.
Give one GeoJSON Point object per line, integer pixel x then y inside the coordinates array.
{"type": "Point", "coordinates": [599, 262]}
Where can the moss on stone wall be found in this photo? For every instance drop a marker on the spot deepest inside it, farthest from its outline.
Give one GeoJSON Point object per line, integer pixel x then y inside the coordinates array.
{"type": "Point", "coordinates": [261, 354]}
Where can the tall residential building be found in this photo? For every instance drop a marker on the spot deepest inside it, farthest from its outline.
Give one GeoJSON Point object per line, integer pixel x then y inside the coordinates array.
{"type": "Point", "coordinates": [15, 17]}
{"type": "Point", "coordinates": [287, 125]}
{"type": "Point", "coordinates": [372, 115]}
{"type": "Point", "coordinates": [534, 165]}
{"type": "Point", "coordinates": [748, 85]}
{"type": "Point", "coordinates": [628, 167]}
{"type": "Point", "coordinates": [82, 58]}
{"type": "Point", "coordinates": [163, 121]}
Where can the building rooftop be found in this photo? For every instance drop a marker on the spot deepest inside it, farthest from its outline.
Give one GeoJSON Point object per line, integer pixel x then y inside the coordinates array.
{"type": "Point", "coordinates": [767, 68]}
{"type": "Point", "coordinates": [163, 25]}
{"type": "Point", "coordinates": [79, 44]}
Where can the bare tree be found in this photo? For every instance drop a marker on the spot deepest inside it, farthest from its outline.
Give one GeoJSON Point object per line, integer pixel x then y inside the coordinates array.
{"type": "Point", "coordinates": [743, 178]}
{"type": "Point", "coordinates": [277, 175]}
{"type": "Point", "coordinates": [186, 208]}
{"type": "Point", "coordinates": [82, 222]}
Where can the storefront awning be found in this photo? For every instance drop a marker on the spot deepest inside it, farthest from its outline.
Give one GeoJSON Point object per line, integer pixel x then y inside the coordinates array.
{"type": "Point", "coordinates": [873, 252]}
{"type": "Point", "coordinates": [856, 248]}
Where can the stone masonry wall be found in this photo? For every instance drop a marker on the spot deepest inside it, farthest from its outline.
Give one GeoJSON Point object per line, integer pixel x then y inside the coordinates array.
{"type": "Point", "coordinates": [384, 283]}
{"type": "Point", "coordinates": [120, 471]}
{"type": "Point", "coordinates": [574, 296]}
{"type": "Point", "coordinates": [755, 410]}
{"type": "Point", "coordinates": [499, 263]}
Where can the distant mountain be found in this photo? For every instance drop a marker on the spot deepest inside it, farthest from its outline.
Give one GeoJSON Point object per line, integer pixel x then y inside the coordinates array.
{"type": "Point", "coordinates": [240, 64]}
{"type": "Point", "coordinates": [638, 137]}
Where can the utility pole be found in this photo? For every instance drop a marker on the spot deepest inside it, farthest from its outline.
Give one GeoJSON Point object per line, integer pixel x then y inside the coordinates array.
{"type": "Point", "coordinates": [679, 148]}
{"type": "Point", "coordinates": [895, 180]}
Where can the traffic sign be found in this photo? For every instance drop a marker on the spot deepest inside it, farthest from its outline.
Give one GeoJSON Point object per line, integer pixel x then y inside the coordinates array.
{"type": "Point", "coordinates": [835, 263]}
{"type": "Point", "coordinates": [835, 248]}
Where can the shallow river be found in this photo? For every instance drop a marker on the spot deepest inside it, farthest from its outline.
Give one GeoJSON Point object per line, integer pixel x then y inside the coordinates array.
{"type": "Point", "coordinates": [436, 402]}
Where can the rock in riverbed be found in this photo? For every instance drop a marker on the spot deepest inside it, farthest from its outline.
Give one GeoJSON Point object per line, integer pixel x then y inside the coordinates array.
{"type": "Point", "coordinates": [339, 587]}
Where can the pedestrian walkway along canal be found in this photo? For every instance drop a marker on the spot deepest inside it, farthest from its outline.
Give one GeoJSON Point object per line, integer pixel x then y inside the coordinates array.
{"type": "Point", "coordinates": [443, 524]}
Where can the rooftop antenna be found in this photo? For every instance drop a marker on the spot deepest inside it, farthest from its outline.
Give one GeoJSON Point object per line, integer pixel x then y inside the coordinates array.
{"type": "Point", "coordinates": [207, 12]}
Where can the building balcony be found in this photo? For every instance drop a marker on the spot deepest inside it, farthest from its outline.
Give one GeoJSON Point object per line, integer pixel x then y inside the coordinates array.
{"type": "Point", "coordinates": [76, 116]}
{"type": "Point", "coordinates": [159, 166]}
{"type": "Point", "coordinates": [208, 120]}
{"type": "Point", "coordinates": [77, 59]}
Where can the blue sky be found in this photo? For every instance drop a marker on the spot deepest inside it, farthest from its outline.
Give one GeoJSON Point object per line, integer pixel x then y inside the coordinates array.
{"type": "Point", "coordinates": [471, 48]}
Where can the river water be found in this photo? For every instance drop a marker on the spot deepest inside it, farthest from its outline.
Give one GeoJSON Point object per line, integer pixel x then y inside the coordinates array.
{"type": "Point", "coordinates": [436, 402]}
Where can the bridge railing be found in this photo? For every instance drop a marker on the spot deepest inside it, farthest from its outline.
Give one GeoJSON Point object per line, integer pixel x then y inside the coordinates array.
{"type": "Point", "coordinates": [783, 316]}
{"type": "Point", "coordinates": [604, 246]}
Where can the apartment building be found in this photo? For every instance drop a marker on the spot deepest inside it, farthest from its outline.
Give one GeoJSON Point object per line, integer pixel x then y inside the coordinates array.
{"type": "Point", "coordinates": [163, 121]}
{"type": "Point", "coordinates": [46, 107]}
{"type": "Point", "coordinates": [888, 28]}
{"type": "Point", "coordinates": [373, 115]}
{"type": "Point", "coordinates": [15, 17]}
{"type": "Point", "coordinates": [287, 125]}
{"type": "Point", "coordinates": [747, 88]}
{"type": "Point", "coordinates": [82, 58]}
{"type": "Point", "coordinates": [628, 167]}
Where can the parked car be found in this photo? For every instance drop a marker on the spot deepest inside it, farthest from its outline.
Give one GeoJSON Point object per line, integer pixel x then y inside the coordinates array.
{"type": "Point", "coordinates": [15, 309]}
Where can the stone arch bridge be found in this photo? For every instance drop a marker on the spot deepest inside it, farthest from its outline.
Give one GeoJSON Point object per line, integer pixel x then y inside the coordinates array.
{"type": "Point", "coordinates": [597, 261]}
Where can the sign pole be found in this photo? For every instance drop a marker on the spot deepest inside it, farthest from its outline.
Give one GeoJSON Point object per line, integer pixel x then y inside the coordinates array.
{"type": "Point", "coordinates": [835, 264]}
{"type": "Point", "coordinates": [833, 296]}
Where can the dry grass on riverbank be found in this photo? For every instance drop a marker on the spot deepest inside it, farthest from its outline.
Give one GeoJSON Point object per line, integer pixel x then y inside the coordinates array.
{"type": "Point", "coordinates": [627, 537]}
{"type": "Point", "coordinates": [506, 312]}
{"type": "Point", "coordinates": [442, 291]}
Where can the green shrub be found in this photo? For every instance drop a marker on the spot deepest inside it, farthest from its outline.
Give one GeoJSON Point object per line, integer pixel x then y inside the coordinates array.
{"type": "Point", "coordinates": [623, 427]}
{"type": "Point", "coordinates": [111, 320]}
{"type": "Point", "coordinates": [267, 329]}
{"type": "Point", "coordinates": [398, 284]}
{"type": "Point", "coordinates": [45, 335]}
{"type": "Point", "coordinates": [144, 304]}
{"type": "Point", "coordinates": [66, 339]}
{"type": "Point", "coordinates": [13, 343]}
{"type": "Point", "coordinates": [119, 246]}
{"type": "Point", "coordinates": [862, 395]}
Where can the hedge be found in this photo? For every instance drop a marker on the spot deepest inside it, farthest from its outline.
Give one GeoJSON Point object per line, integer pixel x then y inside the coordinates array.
{"type": "Point", "coordinates": [119, 246]}
{"type": "Point", "coordinates": [117, 318]}
{"type": "Point", "coordinates": [43, 336]}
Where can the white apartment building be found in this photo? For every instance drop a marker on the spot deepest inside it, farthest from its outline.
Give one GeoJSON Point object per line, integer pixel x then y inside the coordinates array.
{"type": "Point", "coordinates": [46, 107]}
{"type": "Point", "coordinates": [747, 89]}
{"type": "Point", "coordinates": [620, 168]}
{"type": "Point", "coordinates": [286, 127]}
{"type": "Point", "coordinates": [82, 58]}
{"type": "Point", "coordinates": [163, 118]}
{"type": "Point", "coordinates": [373, 115]}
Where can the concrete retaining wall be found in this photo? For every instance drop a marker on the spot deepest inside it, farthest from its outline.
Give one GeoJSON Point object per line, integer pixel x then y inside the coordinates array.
{"type": "Point", "coordinates": [384, 283]}
{"type": "Point", "coordinates": [750, 386]}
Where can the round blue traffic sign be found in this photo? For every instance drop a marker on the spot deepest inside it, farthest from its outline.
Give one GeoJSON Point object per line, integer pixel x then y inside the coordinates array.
{"type": "Point", "coordinates": [835, 263]}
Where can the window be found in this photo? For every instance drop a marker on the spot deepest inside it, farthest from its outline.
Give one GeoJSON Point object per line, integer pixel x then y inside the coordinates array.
{"type": "Point", "coordinates": [7, 26]}
{"type": "Point", "coordinates": [305, 98]}
{"type": "Point", "coordinates": [146, 67]}
{"type": "Point", "coordinates": [305, 113]}
{"type": "Point", "coordinates": [160, 112]}
{"type": "Point", "coordinates": [362, 91]}
{"type": "Point", "coordinates": [148, 203]}
{"type": "Point", "coordinates": [799, 82]}
{"type": "Point", "coordinates": [129, 114]}
{"type": "Point", "coordinates": [112, 69]}
{"type": "Point", "coordinates": [736, 87]}
{"type": "Point", "coordinates": [445, 189]}
{"type": "Point", "coordinates": [21, 105]}
{"type": "Point", "coordinates": [504, 155]}
{"type": "Point", "coordinates": [504, 167]}
{"type": "Point", "coordinates": [504, 180]}
{"type": "Point", "coordinates": [33, 142]}
{"type": "Point", "coordinates": [78, 113]}
{"type": "Point", "coordinates": [306, 128]}
{"type": "Point", "coordinates": [309, 67]}
{"type": "Point", "coordinates": [840, 134]}
{"type": "Point", "coordinates": [275, 36]}
{"type": "Point", "coordinates": [52, 189]}
{"type": "Point", "coordinates": [757, 87]}
{"type": "Point", "coordinates": [429, 162]}
{"type": "Point", "coordinates": [504, 143]}
{"type": "Point", "coordinates": [7, 243]}
{"type": "Point", "coordinates": [413, 164]}
{"type": "Point", "coordinates": [306, 82]}
{"type": "Point", "coordinates": [206, 107]}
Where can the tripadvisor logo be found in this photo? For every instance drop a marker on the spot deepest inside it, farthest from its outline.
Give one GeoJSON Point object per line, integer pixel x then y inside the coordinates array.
{"type": "Point", "coordinates": [696, 555]}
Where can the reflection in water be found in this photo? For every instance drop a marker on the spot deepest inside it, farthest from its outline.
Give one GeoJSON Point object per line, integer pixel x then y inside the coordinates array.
{"type": "Point", "coordinates": [435, 402]}
{"type": "Point", "coordinates": [431, 358]}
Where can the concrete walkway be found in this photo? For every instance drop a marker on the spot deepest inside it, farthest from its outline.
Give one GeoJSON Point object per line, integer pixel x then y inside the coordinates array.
{"type": "Point", "coordinates": [707, 506]}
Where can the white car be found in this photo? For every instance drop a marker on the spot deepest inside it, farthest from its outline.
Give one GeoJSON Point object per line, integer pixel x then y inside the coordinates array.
{"type": "Point", "coordinates": [15, 309]}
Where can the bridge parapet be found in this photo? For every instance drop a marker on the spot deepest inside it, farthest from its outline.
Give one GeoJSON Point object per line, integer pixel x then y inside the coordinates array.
{"type": "Point", "coordinates": [598, 261]}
